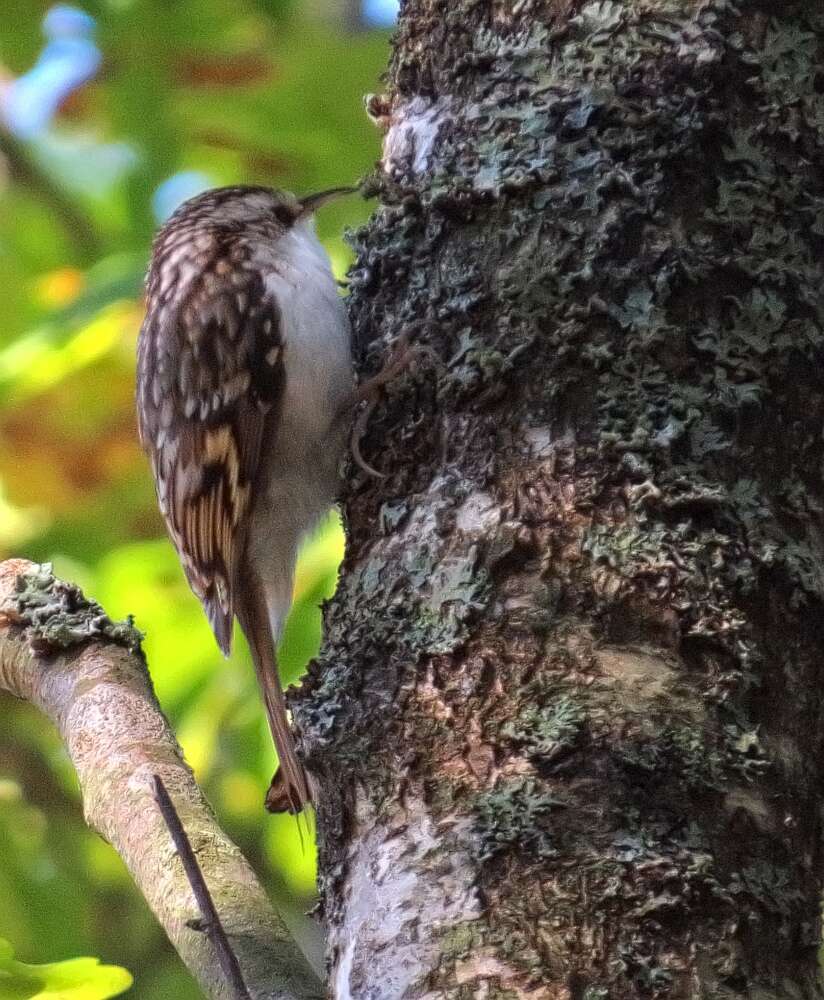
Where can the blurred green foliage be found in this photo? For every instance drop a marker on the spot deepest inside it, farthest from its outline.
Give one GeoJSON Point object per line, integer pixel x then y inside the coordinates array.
{"type": "Point", "coordinates": [253, 91]}
{"type": "Point", "coordinates": [75, 979]}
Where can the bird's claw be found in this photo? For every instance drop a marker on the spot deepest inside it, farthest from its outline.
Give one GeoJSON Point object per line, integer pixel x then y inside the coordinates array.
{"type": "Point", "coordinates": [402, 357]}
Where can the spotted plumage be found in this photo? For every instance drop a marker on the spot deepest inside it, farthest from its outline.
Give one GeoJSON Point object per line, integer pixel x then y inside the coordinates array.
{"type": "Point", "coordinates": [244, 371]}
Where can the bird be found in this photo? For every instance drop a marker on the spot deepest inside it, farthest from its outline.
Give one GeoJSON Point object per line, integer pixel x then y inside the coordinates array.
{"type": "Point", "coordinates": [245, 378]}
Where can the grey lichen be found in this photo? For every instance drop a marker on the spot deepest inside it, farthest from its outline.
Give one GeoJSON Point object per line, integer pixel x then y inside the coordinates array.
{"type": "Point", "coordinates": [547, 732]}
{"type": "Point", "coordinates": [681, 758]}
{"type": "Point", "coordinates": [58, 616]}
{"type": "Point", "coordinates": [515, 815]}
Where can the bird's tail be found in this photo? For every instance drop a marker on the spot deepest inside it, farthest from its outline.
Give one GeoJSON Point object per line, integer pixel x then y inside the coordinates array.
{"type": "Point", "coordinates": [291, 780]}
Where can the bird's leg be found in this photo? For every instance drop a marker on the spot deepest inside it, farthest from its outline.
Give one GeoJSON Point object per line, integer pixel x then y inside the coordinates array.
{"type": "Point", "coordinates": [356, 436]}
{"type": "Point", "coordinates": [402, 357]}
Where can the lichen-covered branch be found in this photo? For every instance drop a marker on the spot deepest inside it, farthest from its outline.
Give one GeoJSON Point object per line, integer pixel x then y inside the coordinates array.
{"type": "Point", "coordinates": [567, 720]}
{"type": "Point", "coordinates": [86, 673]}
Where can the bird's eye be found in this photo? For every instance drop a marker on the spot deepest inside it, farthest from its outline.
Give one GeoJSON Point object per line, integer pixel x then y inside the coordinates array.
{"type": "Point", "coordinates": [284, 214]}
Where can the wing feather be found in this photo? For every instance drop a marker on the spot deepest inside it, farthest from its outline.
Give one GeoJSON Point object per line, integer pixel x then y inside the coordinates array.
{"type": "Point", "coordinates": [210, 379]}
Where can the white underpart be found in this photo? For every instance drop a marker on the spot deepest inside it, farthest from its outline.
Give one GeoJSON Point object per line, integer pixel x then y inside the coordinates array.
{"type": "Point", "coordinates": [302, 462]}
{"type": "Point", "coordinates": [410, 140]}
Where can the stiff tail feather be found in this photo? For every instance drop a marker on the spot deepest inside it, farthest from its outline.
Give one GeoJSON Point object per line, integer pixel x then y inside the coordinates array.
{"type": "Point", "coordinates": [290, 781]}
{"type": "Point", "coordinates": [291, 777]}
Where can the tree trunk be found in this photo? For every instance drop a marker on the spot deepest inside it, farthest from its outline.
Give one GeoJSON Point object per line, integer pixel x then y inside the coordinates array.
{"type": "Point", "coordinates": [567, 719]}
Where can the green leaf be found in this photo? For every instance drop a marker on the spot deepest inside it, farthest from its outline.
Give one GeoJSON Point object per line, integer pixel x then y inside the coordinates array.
{"type": "Point", "coordinates": [74, 979]}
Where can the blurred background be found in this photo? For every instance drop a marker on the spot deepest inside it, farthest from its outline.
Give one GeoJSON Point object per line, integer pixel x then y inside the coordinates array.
{"type": "Point", "coordinates": [111, 113]}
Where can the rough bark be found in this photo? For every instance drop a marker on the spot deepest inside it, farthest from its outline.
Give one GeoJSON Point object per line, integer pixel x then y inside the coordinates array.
{"type": "Point", "coordinates": [567, 718]}
{"type": "Point", "coordinates": [87, 674]}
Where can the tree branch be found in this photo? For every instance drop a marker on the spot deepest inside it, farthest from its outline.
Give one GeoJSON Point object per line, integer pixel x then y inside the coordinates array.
{"type": "Point", "coordinates": [88, 675]}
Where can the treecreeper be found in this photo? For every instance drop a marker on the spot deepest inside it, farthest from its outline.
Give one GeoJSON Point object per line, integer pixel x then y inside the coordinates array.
{"type": "Point", "coordinates": [245, 387]}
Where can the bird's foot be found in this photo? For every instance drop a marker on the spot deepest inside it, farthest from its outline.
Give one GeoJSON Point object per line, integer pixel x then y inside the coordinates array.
{"type": "Point", "coordinates": [281, 797]}
{"type": "Point", "coordinates": [403, 356]}
{"type": "Point", "coordinates": [278, 799]}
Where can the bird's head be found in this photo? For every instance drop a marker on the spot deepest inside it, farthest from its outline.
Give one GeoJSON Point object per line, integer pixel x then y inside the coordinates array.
{"type": "Point", "coordinates": [248, 206]}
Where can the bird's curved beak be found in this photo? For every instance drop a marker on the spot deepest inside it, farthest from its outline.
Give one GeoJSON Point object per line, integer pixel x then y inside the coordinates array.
{"type": "Point", "coordinates": [312, 202]}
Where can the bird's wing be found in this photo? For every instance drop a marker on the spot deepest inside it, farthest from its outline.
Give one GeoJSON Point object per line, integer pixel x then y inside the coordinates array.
{"type": "Point", "coordinates": [210, 376]}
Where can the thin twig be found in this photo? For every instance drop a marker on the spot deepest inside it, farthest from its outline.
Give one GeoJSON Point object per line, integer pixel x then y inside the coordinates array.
{"type": "Point", "coordinates": [25, 170]}
{"type": "Point", "coordinates": [210, 923]}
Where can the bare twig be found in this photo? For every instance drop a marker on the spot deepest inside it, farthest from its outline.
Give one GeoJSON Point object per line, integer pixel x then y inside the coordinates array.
{"type": "Point", "coordinates": [75, 223]}
{"type": "Point", "coordinates": [210, 924]}
{"type": "Point", "coordinates": [87, 674]}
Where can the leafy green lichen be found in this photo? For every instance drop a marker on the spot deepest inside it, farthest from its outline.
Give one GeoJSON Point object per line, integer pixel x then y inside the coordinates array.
{"type": "Point", "coordinates": [461, 940]}
{"type": "Point", "coordinates": [58, 616]}
{"type": "Point", "coordinates": [547, 732]}
{"type": "Point", "coordinates": [515, 815]}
